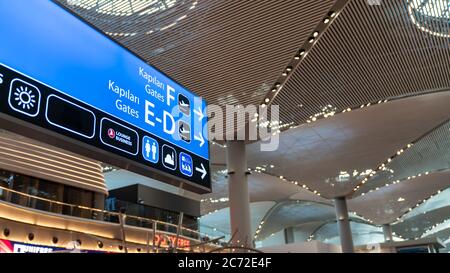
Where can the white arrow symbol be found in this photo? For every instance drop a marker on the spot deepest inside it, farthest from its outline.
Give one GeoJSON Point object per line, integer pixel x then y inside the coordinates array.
{"type": "Point", "coordinates": [199, 113]}
{"type": "Point", "coordinates": [202, 170]}
{"type": "Point", "coordinates": [200, 138]}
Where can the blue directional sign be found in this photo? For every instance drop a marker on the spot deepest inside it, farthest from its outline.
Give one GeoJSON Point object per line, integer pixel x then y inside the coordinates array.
{"type": "Point", "coordinates": [58, 72]}
{"type": "Point", "coordinates": [186, 166]}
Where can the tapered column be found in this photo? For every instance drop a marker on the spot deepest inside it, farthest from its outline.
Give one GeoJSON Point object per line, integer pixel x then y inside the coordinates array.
{"type": "Point", "coordinates": [345, 232]}
{"type": "Point", "coordinates": [387, 231]}
{"type": "Point", "coordinates": [289, 237]}
{"type": "Point", "coordinates": [239, 199]}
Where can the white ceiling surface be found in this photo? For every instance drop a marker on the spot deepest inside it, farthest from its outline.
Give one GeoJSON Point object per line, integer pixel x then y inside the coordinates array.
{"type": "Point", "coordinates": [293, 213]}
{"type": "Point", "coordinates": [362, 234]}
{"type": "Point", "coordinates": [262, 187]}
{"type": "Point", "coordinates": [382, 206]}
{"type": "Point", "coordinates": [220, 220]}
{"type": "Point", "coordinates": [314, 154]}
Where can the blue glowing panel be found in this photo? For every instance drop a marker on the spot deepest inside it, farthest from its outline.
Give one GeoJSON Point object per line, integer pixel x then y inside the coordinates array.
{"type": "Point", "coordinates": [60, 73]}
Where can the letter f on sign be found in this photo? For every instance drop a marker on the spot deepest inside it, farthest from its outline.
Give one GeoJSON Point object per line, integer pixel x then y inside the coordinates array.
{"type": "Point", "coordinates": [170, 90]}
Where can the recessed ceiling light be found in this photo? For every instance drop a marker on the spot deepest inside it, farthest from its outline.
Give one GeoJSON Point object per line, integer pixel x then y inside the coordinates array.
{"type": "Point", "coordinates": [332, 14]}
{"type": "Point", "coordinates": [326, 20]}
{"type": "Point", "coordinates": [267, 100]}
{"type": "Point", "coordinates": [316, 33]}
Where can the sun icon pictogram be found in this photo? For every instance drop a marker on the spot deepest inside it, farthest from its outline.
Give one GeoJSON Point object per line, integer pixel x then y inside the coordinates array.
{"type": "Point", "coordinates": [24, 97]}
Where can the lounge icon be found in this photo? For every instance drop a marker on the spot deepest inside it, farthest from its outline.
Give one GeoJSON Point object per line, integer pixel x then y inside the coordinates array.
{"type": "Point", "coordinates": [186, 164]}
{"type": "Point", "coordinates": [169, 156]}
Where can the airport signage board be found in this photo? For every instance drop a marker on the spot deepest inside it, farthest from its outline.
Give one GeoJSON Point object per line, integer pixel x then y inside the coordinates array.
{"type": "Point", "coordinates": [7, 246]}
{"type": "Point", "coordinates": [59, 73]}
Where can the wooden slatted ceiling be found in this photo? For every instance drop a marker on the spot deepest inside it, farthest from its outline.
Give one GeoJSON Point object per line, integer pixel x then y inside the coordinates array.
{"type": "Point", "coordinates": [226, 51]}
{"type": "Point", "coordinates": [369, 53]}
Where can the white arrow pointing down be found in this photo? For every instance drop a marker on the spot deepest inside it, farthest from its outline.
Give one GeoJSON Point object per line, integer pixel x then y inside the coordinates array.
{"type": "Point", "coordinates": [200, 138]}
{"type": "Point", "coordinates": [202, 170]}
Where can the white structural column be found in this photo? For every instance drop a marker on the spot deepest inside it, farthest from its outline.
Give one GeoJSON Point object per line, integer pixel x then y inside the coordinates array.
{"type": "Point", "coordinates": [387, 231]}
{"type": "Point", "coordinates": [239, 198]}
{"type": "Point", "coordinates": [289, 237]}
{"type": "Point", "coordinates": [345, 232]}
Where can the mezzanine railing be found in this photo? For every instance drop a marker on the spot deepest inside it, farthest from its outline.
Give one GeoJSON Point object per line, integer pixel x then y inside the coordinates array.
{"type": "Point", "coordinates": [49, 205]}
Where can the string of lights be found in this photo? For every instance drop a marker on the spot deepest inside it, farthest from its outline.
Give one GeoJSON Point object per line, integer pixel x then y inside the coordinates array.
{"type": "Point", "coordinates": [301, 54]}
{"type": "Point", "coordinates": [401, 218]}
{"type": "Point", "coordinates": [381, 167]}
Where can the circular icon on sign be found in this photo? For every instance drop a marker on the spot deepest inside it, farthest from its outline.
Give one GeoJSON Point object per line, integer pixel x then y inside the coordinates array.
{"type": "Point", "coordinates": [25, 97]}
{"type": "Point", "coordinates": [111, 133]}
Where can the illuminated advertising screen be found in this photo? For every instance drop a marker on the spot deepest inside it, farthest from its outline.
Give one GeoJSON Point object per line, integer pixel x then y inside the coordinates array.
{"type": "Point", "coordinates": [59, 73]}
{"type": "Point", "coordinates": [7, 246]}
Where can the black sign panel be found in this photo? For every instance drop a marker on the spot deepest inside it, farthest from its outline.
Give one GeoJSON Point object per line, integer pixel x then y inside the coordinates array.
{"type": "Point", "coordinates": [36, 103]}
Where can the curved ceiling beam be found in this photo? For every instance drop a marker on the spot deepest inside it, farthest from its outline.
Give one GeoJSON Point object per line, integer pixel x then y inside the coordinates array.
{"type": "Point", "coordinates": [270, 212]}
{"type": "Point", "coordinates": [441, 128]}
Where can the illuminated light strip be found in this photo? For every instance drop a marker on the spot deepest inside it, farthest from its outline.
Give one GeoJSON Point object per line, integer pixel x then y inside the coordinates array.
{"type": "Point", "coordinates": [103, 236]}
{"type": "Point", "coordinates": [72, 182]}
{"type": "Point", "coordinates": [220, 145]}
{"type": "Point", "coordinates": [410, 209]}
{"type": "Point", "coordinates": [406, 179]}
{"type": "Point", "coordinates": [121, 34]}
{"type": "Point", "coordinates": [97, 176]}
{"type": "Point", "coordinates": [41, 164]}
{"type": "Point", "coordinates": [93, 165]}
{"type": "Point", "coordinates": [430, 230]}
{"type": "Point", "coordinates": [302, 53]}
{"type": "Point", "coordinates": [398, 153]}
{"type": "Point", "coordinates": [168, 26]}
{"type": "Point", "coordinates": [321, 115]}
{"type": "Point", "coordinates": [171, 24]}
{"type": "Point", "coordinates": [381, 167]}
{"type": "Point", "coordinates": [267, 214]}
{"type": "Point", "coordinates": [40, 222]}
{"type": "Point", "coordinates": [368, 221]}
{"type": "Point", "coordinates": [122, 8]}
{"type": "Point", "coordinates": [77, 159]}
{"type": "Point", "coordinates": [218, 200]}
{"type": "Point", "coordinates": [333, 221]}
{"type": "Point", "coordinates": [304, 186]}
{"type": "Point", "coordinates": [75, 182]}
